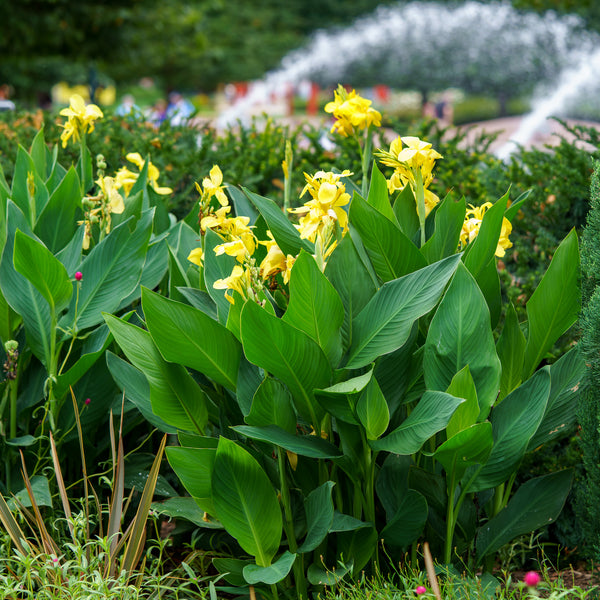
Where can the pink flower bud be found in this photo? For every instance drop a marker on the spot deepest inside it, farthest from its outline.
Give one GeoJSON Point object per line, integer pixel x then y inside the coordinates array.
{"type": "Point", "coordinates": [87, 401]}
{"type": "Point", "coordinates": [421, 589]}
{"type": "Point", "coordinates": [532, 578]}
{"type": "Point", "coordinates": [78, 276]}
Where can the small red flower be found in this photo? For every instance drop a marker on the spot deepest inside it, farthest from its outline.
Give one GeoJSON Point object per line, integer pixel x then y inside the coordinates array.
{"type": "Point", "coordinates": [532, 579]}
{"type": "Point", "coordinates": [87, 401]}
{"type": "Point", "coordinates": [78, 276]}
{"type": "Point", "coordinates": [421, 589]}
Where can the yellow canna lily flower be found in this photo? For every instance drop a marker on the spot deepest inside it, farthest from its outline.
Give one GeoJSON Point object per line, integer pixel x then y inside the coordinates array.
{"type": "Point", "coordinates": [238, 281]}
{"type": "Point", "coordinates": [109, 191]}
{"type": "Point", "coordinates": [80, 118]}
{"type": "Point", "coordinates": [152, 173]}
{"type": "Point", "coordinates": [212, 186]}
{"type": "Point", "coordinates": [352, 112]}
{"type": "Point", "coordinates": [472, 224]}
{"type": "Point", "coordinates": [196, 256]}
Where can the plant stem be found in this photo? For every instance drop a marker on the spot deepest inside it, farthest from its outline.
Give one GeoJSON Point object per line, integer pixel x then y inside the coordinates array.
{"type": "Point", "coordinates": [450, 520]}
{"type": "Point", "coordinates": [298, 567]}
{"type": "Point", "coordinates": [420, 198]}
{"type": "Point", "coordinates": [366, 162]}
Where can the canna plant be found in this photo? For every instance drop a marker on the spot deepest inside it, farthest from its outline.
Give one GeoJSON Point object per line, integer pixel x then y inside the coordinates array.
{"type": "Point", "coordinates": [71, 246]}
{"type": "Point", "coordinates": [338, 381]}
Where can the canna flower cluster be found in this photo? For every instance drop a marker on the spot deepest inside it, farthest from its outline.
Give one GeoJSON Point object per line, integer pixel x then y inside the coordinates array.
{"type": "Point", "coordinates": [352, 112]}
{"type": "Point", "coordinates": [413, 161]}
{"type": "Point", "coordinates": [322, 220]}
{"type": "Point", "coordinates": [472, 224]}
{"type": "Point", "coordinates": [80, 119]}
{"type": "Point", "coordinates": [126, 179]}
{"type": "Point", "coordinates": [98, 208]}
{"type": "Point", "coordinates": [238, 239]}
{"type": "Point", "coordinates": [323, 215]}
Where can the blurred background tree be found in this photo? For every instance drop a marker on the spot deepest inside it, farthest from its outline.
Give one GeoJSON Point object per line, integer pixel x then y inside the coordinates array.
{"type": "Point", "coordinates": [189, 46]}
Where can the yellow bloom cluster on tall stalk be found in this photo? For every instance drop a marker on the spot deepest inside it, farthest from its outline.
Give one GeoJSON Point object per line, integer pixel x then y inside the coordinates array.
{"type": "Point", "coordinates": [413, 161]}
{"type": "Point", "coordinates": [472, 224]}
{"type": "Point", "coordinates": [323, 219]}
{"type": "Point", "coordinates": [238, 239]}
{"type": "Point", "coordinates": [355, 115]}
{"type": "Point", "coordinates": [80, 119]}
{"type": "Point", "coordinates": [98, 208]}
{"type": "Point", "coordinates": [126, 178]}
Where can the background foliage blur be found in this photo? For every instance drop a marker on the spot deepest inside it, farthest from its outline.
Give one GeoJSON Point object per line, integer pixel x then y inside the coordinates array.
{"type": "Point", "coordinates": [179, 44]}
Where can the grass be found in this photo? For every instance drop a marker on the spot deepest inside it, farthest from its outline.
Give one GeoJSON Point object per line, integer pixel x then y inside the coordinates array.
{"type": "Point", "coordinates": [406, 584]}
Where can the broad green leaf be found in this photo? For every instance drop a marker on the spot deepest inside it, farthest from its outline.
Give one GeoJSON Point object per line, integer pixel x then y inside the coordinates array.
{"type": "Point", "coordinates": [535, 504]}
{"type": "Point", "coordinates": [248, 381]}
{"type": "Point", "coordinates": [449, 219]}
{"type": "Point", "coordinates": [431, 415]}
{"type": "Point", "coordinates": [153, 271]}
{"type": "Point", "coordinates": [245, 502]}
{"type": "Point", "coordinates": [304, 445]}
{"type": "Point", "coordinates": [315, 307]}
{"type": "Point", "coordinates": [483, 249]}
{"type": "Point", "coordinates": [177, 276]}
{"type": "Point", "coordinates": [185, 335]}
{"type": "Point", "coordinates": [243, 207]}
{"type": "Point", "coordinates": [272, 574]}
{"type": "Point", "coordinates": [408, 522]}
{"type": "Point", "coordinates": [272, 405]}
{"type": "Point", "coordinates": [288, 354]}
{"type": "Point", "coordinates": [26, 179]}
{"type": "Point", "coordinates": [460, 335]}
{"type": "Point", "coordinates": [21, 295]}
{"type": "Point", "coordinates": [57, 222]}
{"type": "Point", "coordinates": [391, 252]}
{"type": "Point", "coordinates": [231, 570]}
{"type": "Point", "coordinates": [133, 383]}
{"type": "Point", "coordinates": [284, 233]}
{"type": "Point", "coordinates": [354, 291]}
{"type": "Point", "coordinates": [184, 507]}
{"type": "Point", "coordinates": [343, 522]}
{"type": "Point", "coordinates": [92, 349]}
{"type": "Point", "coordinates": [396, 372]}
{"type": "Point", "coordinates": [385, 323]}
{"type": "Point", "coordinates": [514, 422]}
{"type": "Point", "coordinates": [216, 267]}
{"type": "Point", "coordinates": [372, 410]}
{"type": "Point", "coordinates": [488, 281]}
{"type": "Point", "coordinates": [555, 304]}
{"type": "Point", "coordinates": [182, 240]}
{"type": "Point", "coordinates": [175, 396]}
{"type": "Point", "coordinates": [566, 376]}
{"type": "Point", "coordinates": [41, 494]}
{"type": "Point", "coordinates": [463, 386]}
{"type": "Point", "coordinates": [70, 255]}
{"type": "Point", "coordinates": [110, 272]}
{"type": "Point", "coordinates": [378, 196]}
{"type": "Point", "coordinates": [468, 447]}
{"type": "Point", "coordinates": [194, 467]}
{"type": "Point", "coordinates": [392, 483]}
{"type": "Point", "coordinates": [514, 208]}
{"type": "Point", "coordinates": [37, 151]}
{"type": "Point", "coordinates": [201, 300]}
{"type": "Point", "coordinates": [319, 516]}
{"type": "Point", "coordinates": [511, 350]}
{"type": "Point", "coordinates": [405, 209]}
{"type": "Point", "coordinates": [340, 399]}
{"type": "Point", "coordinates": [47, 274]}
{"type": "Point", "coordinates": [9, 320]}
